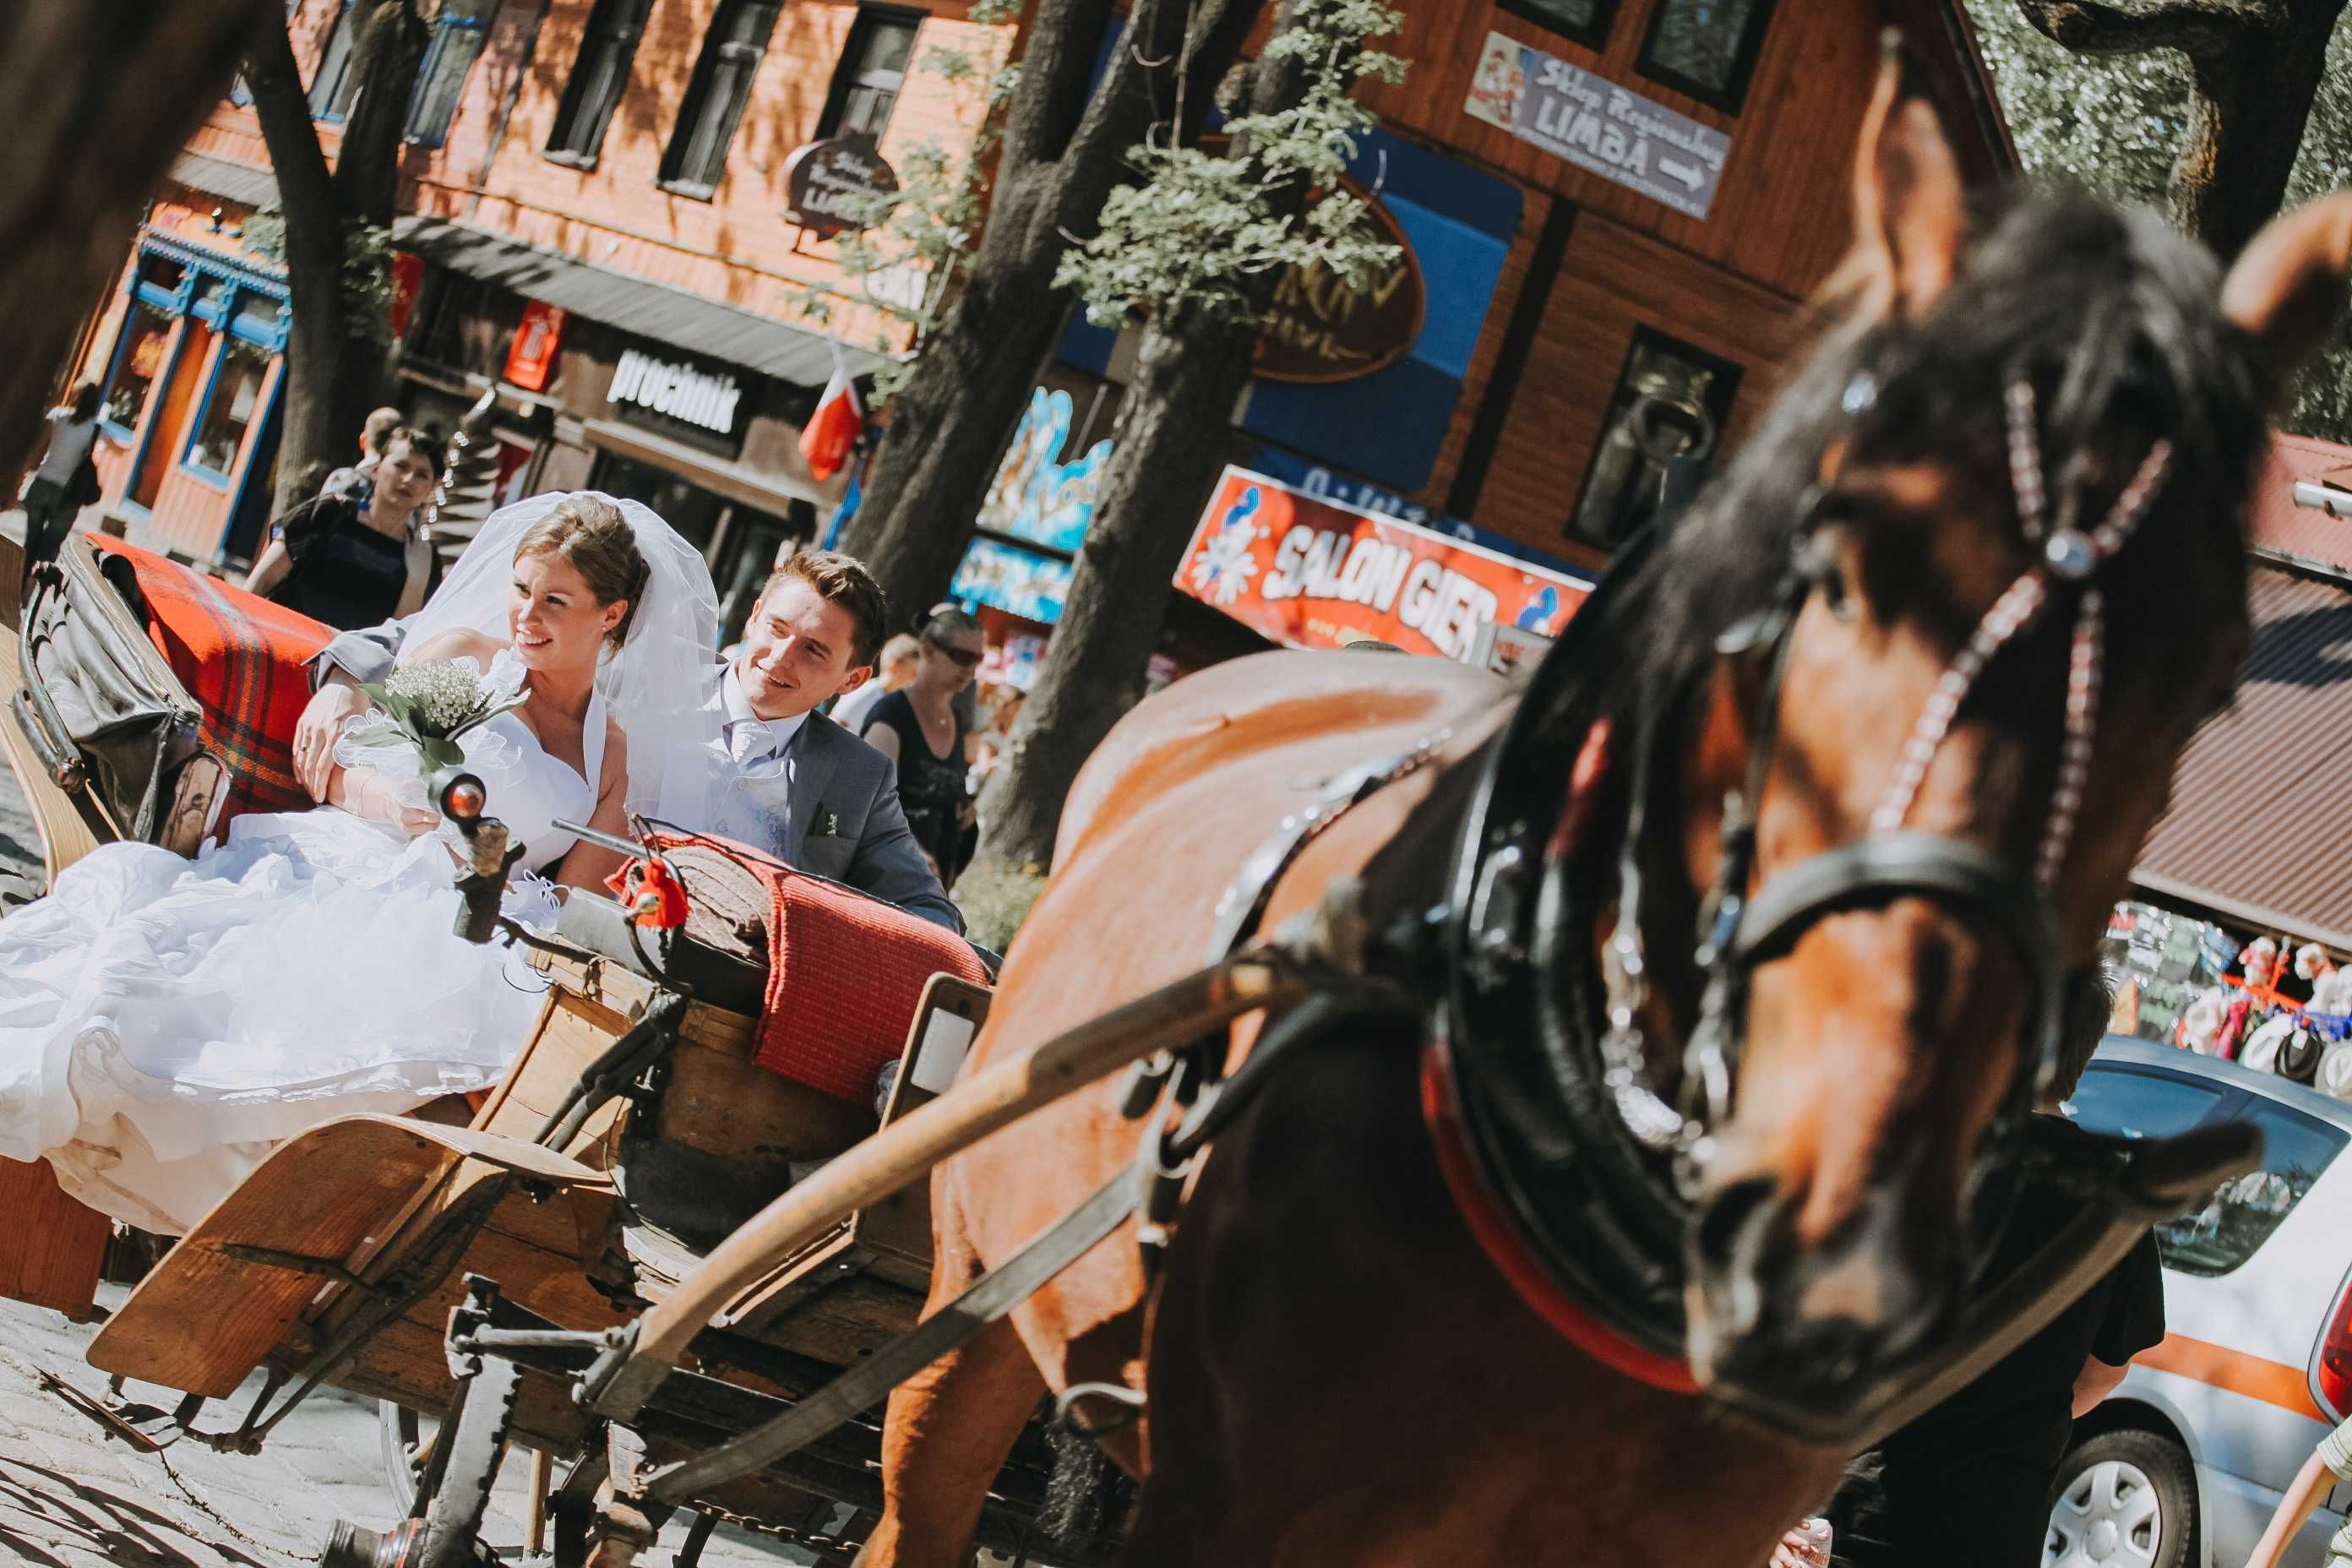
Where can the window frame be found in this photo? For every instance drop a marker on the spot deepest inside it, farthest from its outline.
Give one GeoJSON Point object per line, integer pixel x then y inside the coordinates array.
{"type": "Point", "coordinates": [1731, 373]}
{"type": "Point", "coordinates": [445, 23]}
{"type": "Point", "coordinates": [847, 77]}
{"type": "Point", "coordinates": [1732, 97]}
{"type": "Point", "coordinates": [323, 109]}
{"type": "Point", "coordinates": [626, 35]}
{"type": "Point", "coordinates": [716, 45]}
{"type": "Point", "coordinates": [1594, 36]}
{"type": "Point", "coordinates": [223, 317]}
{"type": "Point", "coordinates": [172, 309]}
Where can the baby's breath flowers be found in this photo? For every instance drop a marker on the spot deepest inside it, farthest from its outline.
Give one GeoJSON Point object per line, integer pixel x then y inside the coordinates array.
{"type": "Point", "coordinates": [431, 705]}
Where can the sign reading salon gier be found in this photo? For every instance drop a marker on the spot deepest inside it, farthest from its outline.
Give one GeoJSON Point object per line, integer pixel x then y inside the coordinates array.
{"type": "Point", "coordinates": [1597, 125]}
{"type": "Point", "coordinates": [1311, 573]}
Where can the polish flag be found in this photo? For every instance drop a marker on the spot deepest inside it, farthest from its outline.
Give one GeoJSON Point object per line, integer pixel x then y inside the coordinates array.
{"type": "Point", "coordinates": [835, 428]}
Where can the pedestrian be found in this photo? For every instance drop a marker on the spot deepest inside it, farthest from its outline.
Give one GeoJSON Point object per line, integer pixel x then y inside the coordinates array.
{"type": "Point", "coordinates": [894, 671]}
{"type": "Point", "coordinates": [919, 729]}
{"type": "Point", "coordinates": [65, 481]}
{"type": "Point", "coordinates": [355, 562]}
{"type": "Point", "coordinates": [352, 483]}
{"type": "Point", "coordinates": [1968, 1484]}
{"type": "Point", "coordinates": [2330, 1463]}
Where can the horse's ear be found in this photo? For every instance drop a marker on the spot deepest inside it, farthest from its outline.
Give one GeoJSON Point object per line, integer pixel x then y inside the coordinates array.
{"type": "Point", "coordinates": [2288, 286]}
{"type": "Point", "coordinates": [1910, 211]}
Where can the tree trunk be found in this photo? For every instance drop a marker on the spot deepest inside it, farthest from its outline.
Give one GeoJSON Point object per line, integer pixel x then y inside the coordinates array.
{"type": "Point", "coordinates": [1064, 153]}
{"type": "Point", "coordinates": [1167, 448]}
{"type": "Point", "coordinates": [334, 355]}
{"type": "Point", "coordinates": [100, 98]}
{"type": "Point", "coordinates": [1171, 440]}
{"type": "Point", "coordinates": [2255, 67]}
{"type": "Point", "coordinates": [2246, 119]}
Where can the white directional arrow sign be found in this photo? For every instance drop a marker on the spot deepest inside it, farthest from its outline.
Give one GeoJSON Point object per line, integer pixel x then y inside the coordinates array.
{"type": "Point", "coordinates": [1675, 169]}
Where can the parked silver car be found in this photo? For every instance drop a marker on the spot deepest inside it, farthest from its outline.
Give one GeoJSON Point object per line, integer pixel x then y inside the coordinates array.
{"type": "Point", "coordinates": [2182, 1466]}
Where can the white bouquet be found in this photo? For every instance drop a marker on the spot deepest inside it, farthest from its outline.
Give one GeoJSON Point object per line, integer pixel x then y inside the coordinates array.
{"type": "Point", "coordinates": [429, 706]}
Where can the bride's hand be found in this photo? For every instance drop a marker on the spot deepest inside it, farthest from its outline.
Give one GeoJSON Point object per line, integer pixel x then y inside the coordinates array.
{"type": "Point", "coordinates": [366, 793]}
{"type": "Point", "coordinates": [335, 704]}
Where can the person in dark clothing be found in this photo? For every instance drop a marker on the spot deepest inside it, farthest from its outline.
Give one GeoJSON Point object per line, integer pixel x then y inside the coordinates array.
{"type": "Point", "coordinates": [354, 563]}
{"type": "Point", "coordinates": [919, 729]}
{"type": "Point", "coordinates": [1968, 1483]}
{"type": "Point", "coordinates": [66, 480]}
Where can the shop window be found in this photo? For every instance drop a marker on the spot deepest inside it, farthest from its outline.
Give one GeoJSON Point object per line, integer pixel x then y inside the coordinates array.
{"type": "Point", "coordinates": [459, 31]}
{"type": "Point", "coordinates": [872, 72]}
{"type": "Point", "coordinates": [234, 400]}
{"type": "Point", "coordinates": [145, 337]}
{"type": "Point", "coordinates": [1671, 402]}
{"type": "Point", "coordinates": [333, 86]}
{"type": "Point", "coordinates": [159, 272]}
{"type": "Point", "coordinates": [696, 159]}
{"type": "Point", "coordinates": [1585, 21]}
{"type": "Point", "coordinates": [599, 76]}
{"type": "Point", "coordinates": [1706, 47]}
{"type": "Point", "coordinates": [258, 316]}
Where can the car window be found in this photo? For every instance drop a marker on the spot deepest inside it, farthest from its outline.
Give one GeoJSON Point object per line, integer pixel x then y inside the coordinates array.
{"type": "Point", "coordinates": [2239, 1215]}
{"type": "Point", "coordinates": [2122, 1102]}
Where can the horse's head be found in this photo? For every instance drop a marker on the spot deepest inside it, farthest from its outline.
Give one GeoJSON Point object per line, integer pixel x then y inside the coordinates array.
{"type": "Point", "coordinates": [2014, 479]}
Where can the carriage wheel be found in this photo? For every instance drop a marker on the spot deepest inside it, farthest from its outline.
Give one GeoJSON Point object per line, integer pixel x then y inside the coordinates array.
{"type": "Point", "coordinates": [408, 1440]}
{"type": "Point", "coordinates": [469, 1450]}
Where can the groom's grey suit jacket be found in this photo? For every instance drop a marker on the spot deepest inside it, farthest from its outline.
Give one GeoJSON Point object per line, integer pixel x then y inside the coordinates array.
{"type": "Point", "coordinates": [832, 809]}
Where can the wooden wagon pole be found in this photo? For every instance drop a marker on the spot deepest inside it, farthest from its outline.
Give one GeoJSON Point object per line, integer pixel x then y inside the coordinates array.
{"type": "Point", "coordinates": [1173, 1015]}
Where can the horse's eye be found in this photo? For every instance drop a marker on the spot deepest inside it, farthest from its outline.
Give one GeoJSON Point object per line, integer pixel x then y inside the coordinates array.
{"type": "Point", "coordinates": [1820, 561]}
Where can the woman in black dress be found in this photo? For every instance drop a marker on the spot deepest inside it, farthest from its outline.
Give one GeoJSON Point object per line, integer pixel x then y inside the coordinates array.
{"type": "Point", "coordinates": [917, 727]}
{"type": "Point", "coordinates": [353, 563]}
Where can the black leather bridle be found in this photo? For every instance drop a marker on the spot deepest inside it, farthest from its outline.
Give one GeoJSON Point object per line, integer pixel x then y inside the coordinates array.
{"type": "Point", "coordinates": [1595, 1170]}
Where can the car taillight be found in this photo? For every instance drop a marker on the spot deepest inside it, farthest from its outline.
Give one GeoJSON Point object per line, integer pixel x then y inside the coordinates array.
{"type": "Point", "coordinates": [2336, 1359]}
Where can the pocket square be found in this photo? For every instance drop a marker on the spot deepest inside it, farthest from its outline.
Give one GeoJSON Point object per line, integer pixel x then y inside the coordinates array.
{"type": "Point", "coordinates": [825, 822]}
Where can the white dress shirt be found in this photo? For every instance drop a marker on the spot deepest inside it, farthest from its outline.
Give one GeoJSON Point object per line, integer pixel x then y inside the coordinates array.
{"type": "Point", "coordinates": [757, 745]}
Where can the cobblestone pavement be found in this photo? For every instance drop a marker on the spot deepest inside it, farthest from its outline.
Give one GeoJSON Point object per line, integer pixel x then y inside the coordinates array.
{"type": "Point", "coordinates": [71, 1498]}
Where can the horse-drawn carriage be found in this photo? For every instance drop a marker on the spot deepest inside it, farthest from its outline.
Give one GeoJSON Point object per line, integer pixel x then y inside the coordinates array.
{"type": "Point", "coordinates": [1613, 1080]}
{"type": "Point", "coordinates": [647, 1116]}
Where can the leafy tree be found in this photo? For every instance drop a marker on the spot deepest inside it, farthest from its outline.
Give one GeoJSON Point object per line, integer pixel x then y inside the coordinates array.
{"type": "Point", "coordinates": [2218, 111]}
{"type": "Point", "coordinates": [332, 231]}
{"type": "Point", "coordinates": [1193, 250]}
{"type": "Point", "coordinates": [1061, 152]}
{"type": "Point", "coordinates": [100, 98]}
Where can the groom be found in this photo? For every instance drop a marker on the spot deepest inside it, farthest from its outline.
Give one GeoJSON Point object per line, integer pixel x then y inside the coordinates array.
{"type": "Point", "coordinates": [801, 786]}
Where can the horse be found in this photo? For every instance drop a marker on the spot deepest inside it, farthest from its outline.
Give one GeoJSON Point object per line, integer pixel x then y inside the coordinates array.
{"type": "Point", "coordinates": [1786, 849]}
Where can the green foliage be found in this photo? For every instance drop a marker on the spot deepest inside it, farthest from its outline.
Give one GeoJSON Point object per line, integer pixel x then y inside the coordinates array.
{"type": "Point", "coordinates": [1198, 225]}
{"type": "Point", "coordinates": [2115, 125]}
{"type": "Point", "coordinates": [995, 900]}
{"type": "Point", "coordinates": [367, 269]}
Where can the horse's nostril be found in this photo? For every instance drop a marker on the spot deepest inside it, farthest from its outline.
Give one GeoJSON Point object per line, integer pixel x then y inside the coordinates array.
{"type": "Point", "coordinates": [1724, 1219]}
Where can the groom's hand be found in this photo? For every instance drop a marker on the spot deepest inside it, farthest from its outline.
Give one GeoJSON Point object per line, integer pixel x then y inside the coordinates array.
{"type": "Point", "coordinates": [331, 707]}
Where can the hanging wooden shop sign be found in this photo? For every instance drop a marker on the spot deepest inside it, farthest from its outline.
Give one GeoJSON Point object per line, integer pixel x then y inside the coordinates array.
{"type": "Point", "coordinates": [824, 182]}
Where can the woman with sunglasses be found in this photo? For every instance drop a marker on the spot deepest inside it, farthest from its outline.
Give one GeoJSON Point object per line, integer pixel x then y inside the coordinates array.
{"type": "Point", "coordinates": [920, 729]}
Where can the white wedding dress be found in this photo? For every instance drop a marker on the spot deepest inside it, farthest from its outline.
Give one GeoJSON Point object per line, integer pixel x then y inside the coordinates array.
{"type": "Point", "coordinates": [164, 1022]}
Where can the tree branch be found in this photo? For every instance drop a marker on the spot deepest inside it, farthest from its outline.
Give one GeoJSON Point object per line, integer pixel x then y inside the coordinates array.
{"type": "Point", "coordinates": [1165, 41]}
{"type": "Point", "coordinates": [2129, 26]}
{"type": "Point", "coordinates": [1056, 67]}
{"type": "Point", "coordinates": [305, 189]}
{"type": "Point", "coordinates": [385, 56]}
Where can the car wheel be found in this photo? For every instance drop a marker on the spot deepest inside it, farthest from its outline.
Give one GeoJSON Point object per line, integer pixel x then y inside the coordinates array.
{"type": "Point", "coordinates": [2124, 1499]}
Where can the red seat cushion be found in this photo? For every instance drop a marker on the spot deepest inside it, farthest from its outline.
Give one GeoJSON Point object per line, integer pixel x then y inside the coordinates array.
{"type": "Point", "coordinates": [242, 658]}
{"type": "Point", "coordinates": [845, 973]}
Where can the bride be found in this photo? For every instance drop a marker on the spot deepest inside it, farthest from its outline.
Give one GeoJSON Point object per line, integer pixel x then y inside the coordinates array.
{"type": "Point", "coordinates": [163, 1022]}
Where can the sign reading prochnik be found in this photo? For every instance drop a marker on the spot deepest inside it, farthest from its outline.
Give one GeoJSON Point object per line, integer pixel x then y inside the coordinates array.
{"type": "Point", "coordinates": [1597, 125]}
{"type": "Point", "coordinates": [679, 390]}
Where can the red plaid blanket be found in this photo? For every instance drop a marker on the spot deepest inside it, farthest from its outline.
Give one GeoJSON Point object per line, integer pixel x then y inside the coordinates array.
{"type": "Point", "coordinates": [241, 657]}
{"type": "Point", "coordinates": [845, 973]}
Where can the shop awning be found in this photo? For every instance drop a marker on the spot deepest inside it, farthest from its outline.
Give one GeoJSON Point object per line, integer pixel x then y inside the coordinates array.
{"type": "Point", "coordinates": [2260, 803]}
{"type": "Point", "coordinates": [650, 309]}
{"type": "Point", "coordinates": [239, 183]}
{"type": "Point", "coordinates": [758, 488]}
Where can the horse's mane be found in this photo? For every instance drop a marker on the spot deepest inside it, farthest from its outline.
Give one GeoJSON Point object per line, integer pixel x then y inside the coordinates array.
{"type": "Point", "coordinates": [2102, 308]}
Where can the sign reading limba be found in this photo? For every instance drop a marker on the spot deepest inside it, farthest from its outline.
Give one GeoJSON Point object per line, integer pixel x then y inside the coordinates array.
{"type": "Point", "coordinates": [681, 392]}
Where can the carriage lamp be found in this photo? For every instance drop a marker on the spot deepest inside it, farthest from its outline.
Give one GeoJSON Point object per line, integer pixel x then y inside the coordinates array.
{"type": "Point", "coordinates": [484, 856]}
